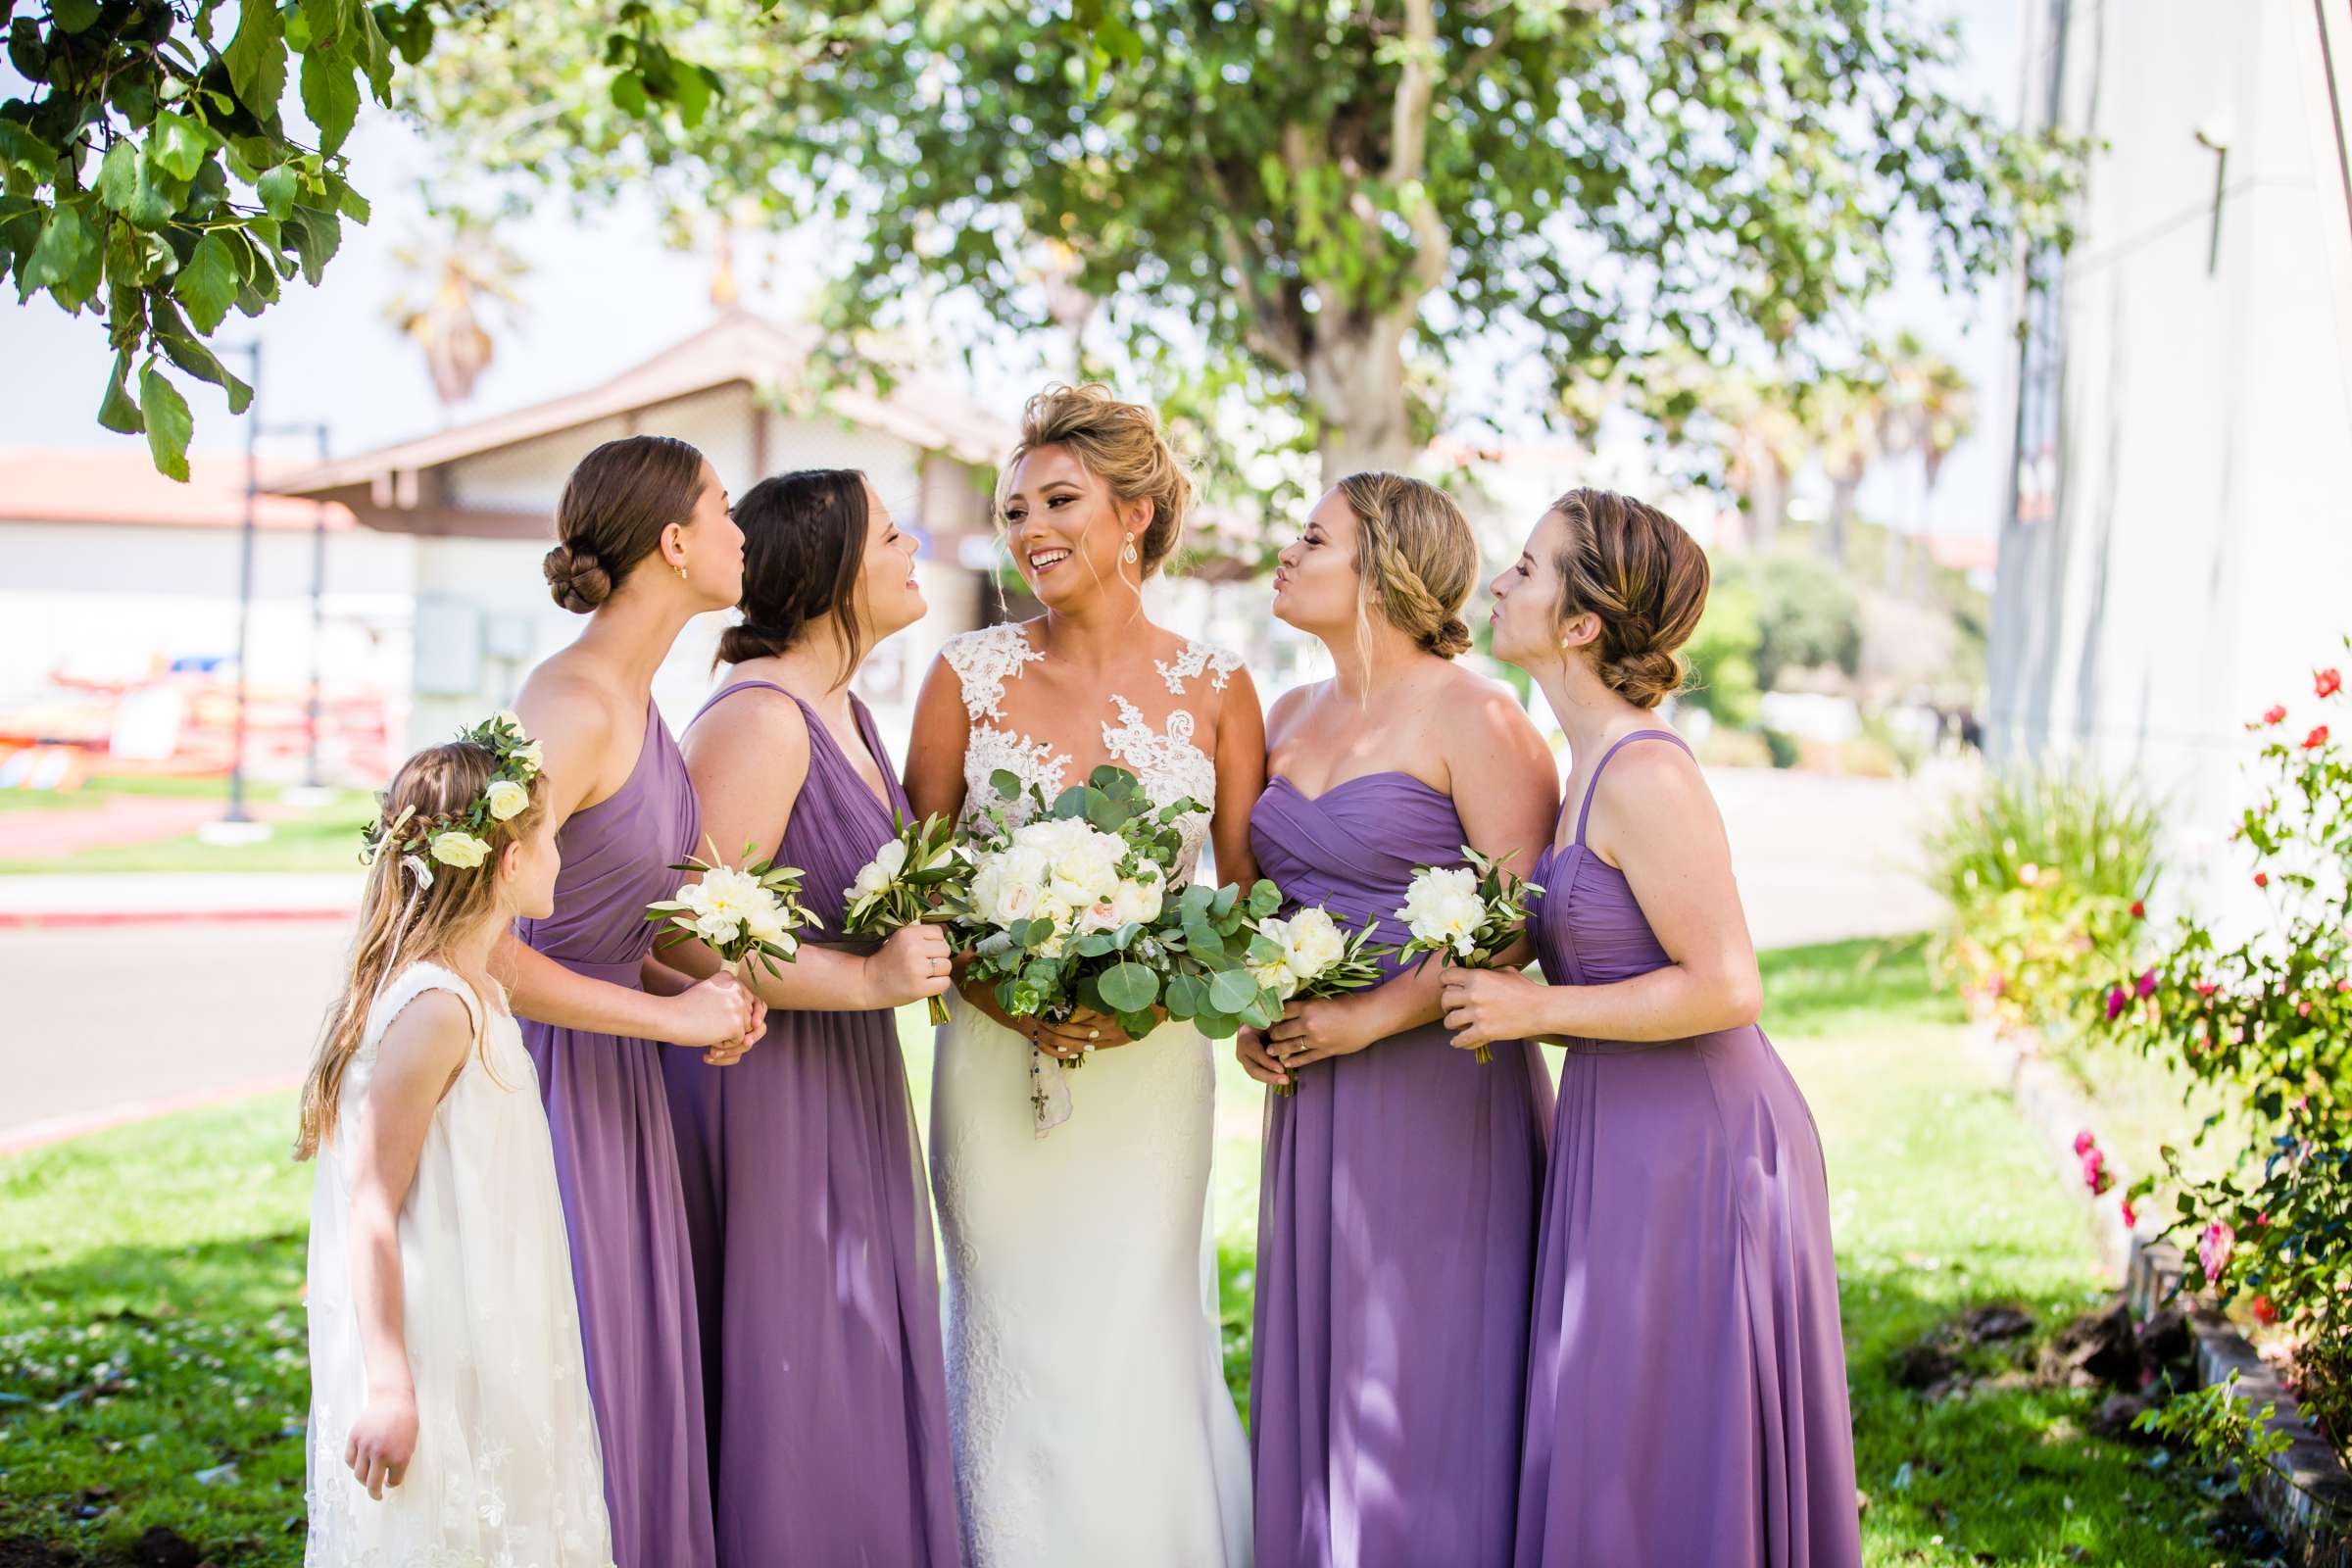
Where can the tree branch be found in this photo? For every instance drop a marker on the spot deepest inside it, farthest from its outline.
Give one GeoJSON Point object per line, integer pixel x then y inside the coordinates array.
{"type": "Point", "coordinates": [1409, 148]}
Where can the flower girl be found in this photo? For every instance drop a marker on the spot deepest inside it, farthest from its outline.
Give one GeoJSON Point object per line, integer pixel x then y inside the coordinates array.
{"type": "Point", "coordinates": [448, 1401]}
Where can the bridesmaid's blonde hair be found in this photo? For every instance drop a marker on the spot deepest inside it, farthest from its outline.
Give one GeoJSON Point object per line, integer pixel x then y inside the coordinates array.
{"type": "Point", "coordinates": [1416, 559]}
{"type": "Point", "coordinates": [401, 915]}
{"type": "Point", "coordinates": [1120, 444]}
{"type": "Point", "coordinates": [1643, 577]}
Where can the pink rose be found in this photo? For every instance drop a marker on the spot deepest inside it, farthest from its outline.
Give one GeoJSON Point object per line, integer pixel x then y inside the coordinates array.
{"type": "Point", "coordinates": [2083, 1141]}
{"type": "Point", "coordinates": [2213, 1249]}
{"type": "Point", "coordinates": [2147, 985]}
{"type": "Point", "coordinates": [2116, 1000]}
{"type": "Point", "coordinates": [2094, 1165]}
{"type": "Point", "coordinates": [2327, 682]}
{"type": "Point", "coordinates": [2130, 1214]}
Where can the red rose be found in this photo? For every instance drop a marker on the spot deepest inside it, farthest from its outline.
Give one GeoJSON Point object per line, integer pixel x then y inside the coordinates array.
{"type": "Point", "coordinates": [2263, 1311]}
{"type": "Point", "coordinates": [2139, 911]}
{"type": "Point", "coordinates": [2327, 682]}
{"type": "Point", "coordinates": [2262, 879]}
{"type": "Point", "coordinates": [2316, 739]}
{"type": "Point", "coordinates": [2277, 715]}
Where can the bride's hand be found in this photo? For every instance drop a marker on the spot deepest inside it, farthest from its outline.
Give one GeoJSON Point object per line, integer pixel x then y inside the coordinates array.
{"type": "Point", "coordinates": [1084, 1030]}
{"type": "Point", "coordinates": [1310, 1030]}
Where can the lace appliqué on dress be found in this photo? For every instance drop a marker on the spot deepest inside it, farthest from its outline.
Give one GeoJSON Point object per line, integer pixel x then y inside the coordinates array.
{"type": "Point", "coordinates": [1220, 662]}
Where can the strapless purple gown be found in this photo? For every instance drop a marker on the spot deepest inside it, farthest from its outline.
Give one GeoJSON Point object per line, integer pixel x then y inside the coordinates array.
{"type": "Point", "coordinates": [1687, 1380]}
{"type": "Point", "coordinates": [617, 1164]}
{"type": "Point", "coordinates": [812, 1225]}
{"type": "Point", "coordinates": [1395, 1237]}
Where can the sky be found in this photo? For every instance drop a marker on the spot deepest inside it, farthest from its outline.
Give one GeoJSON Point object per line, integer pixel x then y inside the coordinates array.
{"type": "Point", "coordinates": [603, 292]}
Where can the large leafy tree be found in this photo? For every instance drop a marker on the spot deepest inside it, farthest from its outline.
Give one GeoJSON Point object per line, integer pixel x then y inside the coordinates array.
{"type": "Point", "coordinates": [163, 162]}
{"type": "Point", "coordinates": [1321, 190]}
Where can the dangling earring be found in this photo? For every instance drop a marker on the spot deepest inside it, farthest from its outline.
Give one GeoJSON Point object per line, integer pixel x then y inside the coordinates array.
{"type": "Point", "coordinates": [1129, 553]}
{"type": "Point", "coordinates": [681, 571]}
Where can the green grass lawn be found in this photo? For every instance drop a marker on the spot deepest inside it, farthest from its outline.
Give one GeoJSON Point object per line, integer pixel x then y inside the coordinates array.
{"type": "Point", "coordinates": [317, 838]}
{"type": "Point", "coordinates": [151, 1327]}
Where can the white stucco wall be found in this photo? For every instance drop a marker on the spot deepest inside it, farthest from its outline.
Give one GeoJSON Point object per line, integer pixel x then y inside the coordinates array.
{"type": "Point", "coordinates": [2201, 561]}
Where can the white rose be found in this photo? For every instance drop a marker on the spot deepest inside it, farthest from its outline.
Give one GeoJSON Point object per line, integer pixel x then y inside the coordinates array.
{"type": "Point", "coordinates": [766, 924]}
{"type": "Point", "coordinates": [880, 871]}
{"type": "Point", "coordinates": [1101, 915]}
{"type": "Point", "coordinates": [1138, 901]}
{"type": "Point", "coordinates": [719, 927]}
{"type": "Point", "coordinates": [1277, 977]}
{"type": "Point", "coordinates": [528, 754]}
{"type": "Point", "coordinates": [1015, 900]}
{"type": "Point", "coordinates": [508, 799]}
{"type": "Point", "coordinates": [1442, 906]}
{"type": "Point", "coordinates": [459, 849]}
{"type": "Point", "coordinates": [1312, 942]}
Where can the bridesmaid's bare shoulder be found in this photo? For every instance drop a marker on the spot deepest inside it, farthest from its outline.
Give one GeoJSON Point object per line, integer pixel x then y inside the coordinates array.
{"type": "Point", "coordinates": [1480, 724]}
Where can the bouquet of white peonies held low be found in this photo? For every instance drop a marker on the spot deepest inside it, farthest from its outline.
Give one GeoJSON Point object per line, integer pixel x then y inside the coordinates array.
{"type": "Point", "coordinates": [1076, 907]}
{"type": "Point", "coordinates": [1466, 914]}
{"type": "Point", "coordinates": [1311, 958]}
{"type": "Point", "coordinates": [749, 916]}
{"type": "Point", "coordinates": [914, 877]}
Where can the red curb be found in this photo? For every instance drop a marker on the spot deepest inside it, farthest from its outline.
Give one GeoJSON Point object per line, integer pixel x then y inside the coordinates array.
{"type": "Point", "coordinates": [58, 1129]}
{"type": "Point", "coordinates": [19, 918]}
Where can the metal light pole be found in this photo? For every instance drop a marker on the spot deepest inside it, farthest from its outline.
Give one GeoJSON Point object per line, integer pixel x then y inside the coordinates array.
{"type": "Point", "coordinates": [245, 543]}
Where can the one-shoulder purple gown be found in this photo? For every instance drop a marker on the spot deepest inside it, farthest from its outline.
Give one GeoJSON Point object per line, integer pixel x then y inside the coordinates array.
{"type": "Point", "coordinates": [812, 1225]}
{"type": "Point", "coordinates": [1395, 1237]}
{"type": "Point", "coordinates": [1686, 1393]}
{"type": "Point", "coordinates": [617, 1164]}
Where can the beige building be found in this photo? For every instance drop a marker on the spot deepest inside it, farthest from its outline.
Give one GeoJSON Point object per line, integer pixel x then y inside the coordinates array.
{"type": "Point", "coordinates": [479, 500]}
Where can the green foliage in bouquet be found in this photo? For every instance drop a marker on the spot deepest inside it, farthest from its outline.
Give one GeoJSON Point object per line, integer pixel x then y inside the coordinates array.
{"type": "Point", "coordinates": [1188, 954]}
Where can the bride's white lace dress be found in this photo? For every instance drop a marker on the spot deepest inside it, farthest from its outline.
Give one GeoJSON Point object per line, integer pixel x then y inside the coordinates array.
{"type": "Point", "coordinates": [1092, 1423]}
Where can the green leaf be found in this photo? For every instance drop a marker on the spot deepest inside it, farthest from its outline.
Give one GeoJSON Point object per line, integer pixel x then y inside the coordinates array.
{"type": "Point", "coordinates": [315, 235]}
{"type": "Point", "coordinates": [330, 96]}
{"type": "Point", "coordinates": [118, 175]}
{"type": "Point", "coordinates": [118, 411]}
{"type": "Point", "coordinates": [20, 148]}
{"type": "Point", "coordinates": [277, 187]}
{"type": "Point", "coordinates": [1187, 995]}
{"type": "Point", "coordinates": [351, 204]}
{"type": "Point", "coordinates": [256, 57]}
{"type": "Point", "coordinates": [325, 20]}
{"type": "Point", "coordinates": [169, 422]}
{"type": "Point", "coordinates": [64, 239]}
{"type": "Point", "coordinates": [1231, 990]}
{"type": "Point", "coordinates": [176, 145]}
{"type": "Point", "coordinates": [1007, 787]}
{"type": "Point", "coordinates": [628, 94]}
{"type": "Point", "coordinates": [1128, 987]}
{"type": "Point", "coordinates": [72, 16]}
{"type": "Point", "coordinates": [184, 350]}
{"type": "Point", "coordinates": [1226, 898]}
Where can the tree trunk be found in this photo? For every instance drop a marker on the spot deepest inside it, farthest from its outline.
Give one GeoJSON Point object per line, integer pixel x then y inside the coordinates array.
{"type": "Point", "coordinates": [1356, 384]}
{"type": "Point", "coordinates": [1842, 516]}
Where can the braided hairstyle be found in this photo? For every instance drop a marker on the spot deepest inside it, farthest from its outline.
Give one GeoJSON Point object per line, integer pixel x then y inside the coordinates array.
{"type": "Point", "coordinates": [804, 552]}
{"type": "Point", "coordinates": [1120, 443]}
{"type": "Point", "coordinates": [615, 507]}
{"type": "Point", "coordinates": [1645, 579]}
{"type": "Point", "coordinates": [1415, 556]}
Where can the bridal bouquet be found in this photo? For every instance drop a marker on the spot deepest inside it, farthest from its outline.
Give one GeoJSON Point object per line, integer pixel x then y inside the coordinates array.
{"type": "Point", "coordinates": [1465, 914]}
{"type": "Point", "coordinates": [1308, 958]}
{"type": "Point", "coordinates": [748, 916]}
{"type": "Point", "coordinates": [1074, 909]}
{"type": "Point", "coordinates": [913, 877]}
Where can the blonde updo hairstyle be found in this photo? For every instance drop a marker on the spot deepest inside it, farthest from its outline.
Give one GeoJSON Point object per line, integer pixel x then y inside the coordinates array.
{"type": "Point", "coordinates": [1415, 558]}
{"type": "Point", "coordinates": [1643, 577]}
{"type": "Point", "coordinates": [1120, 444]}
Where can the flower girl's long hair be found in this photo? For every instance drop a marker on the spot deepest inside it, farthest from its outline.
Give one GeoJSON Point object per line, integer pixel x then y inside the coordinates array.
{"type": "Point", "coordinates": [411, 906]}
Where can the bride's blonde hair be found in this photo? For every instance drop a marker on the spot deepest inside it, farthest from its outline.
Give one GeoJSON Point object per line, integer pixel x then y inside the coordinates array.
{"type": "Point", "coordinates": [1120, 444]}
{"type": "Point", "coordinates": [401, 915]}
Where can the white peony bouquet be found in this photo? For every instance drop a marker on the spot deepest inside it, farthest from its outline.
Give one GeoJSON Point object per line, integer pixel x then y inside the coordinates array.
{"type": "Point", "coordinates": [748, 916]}
{"type": "Point", "coordinates": [916, 875]}
{"type": "Point", "coordinates": [1312, 958]}
{"type": "Point", "coordinates": [1466, 914]}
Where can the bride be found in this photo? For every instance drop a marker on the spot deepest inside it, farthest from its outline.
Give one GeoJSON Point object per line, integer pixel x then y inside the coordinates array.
{"type": "Point", "coordinates": [1091, 1420]}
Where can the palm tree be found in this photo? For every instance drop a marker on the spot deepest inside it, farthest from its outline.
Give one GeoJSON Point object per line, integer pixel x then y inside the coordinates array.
{"type": "Point", "coordinates": [1847, 415]}
{"type": "Point", "coordinates": [1931, 409]}
{"type": "Point", "coordinates": [454, 277]}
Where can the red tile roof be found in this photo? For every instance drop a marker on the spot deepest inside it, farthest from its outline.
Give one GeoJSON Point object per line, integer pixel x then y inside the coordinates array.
{"type": "Point", "coordinates": [121, 486]}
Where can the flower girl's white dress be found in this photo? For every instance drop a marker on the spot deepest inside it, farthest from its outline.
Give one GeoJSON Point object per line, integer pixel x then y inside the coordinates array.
{"type": "Point", "coordinates": [507, 1468]}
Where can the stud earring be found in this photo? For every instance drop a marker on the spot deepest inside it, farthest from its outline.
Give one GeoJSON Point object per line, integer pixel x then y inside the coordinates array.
{"type": "Point", "coordinates": [1130, 552]}
{"type": "Point", "coordinates": [681, 571]}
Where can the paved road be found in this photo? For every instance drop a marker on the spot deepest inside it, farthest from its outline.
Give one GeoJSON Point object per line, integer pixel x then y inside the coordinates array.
{"type": "Point", "coordinates": [119, 1021]}
{"type": "Point", "coordinates": [105, 1021]}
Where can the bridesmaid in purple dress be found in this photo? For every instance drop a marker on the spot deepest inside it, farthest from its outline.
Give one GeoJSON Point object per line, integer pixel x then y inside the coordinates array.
{"type": "Point", "coordinates": [824, 1383]}
{"type": "Point", "coordinates": [647, 545]}
{"type": "Point", "coordinates": [1397, 1207]}
{"type": "Point", "coordinates": [1686, 1381]}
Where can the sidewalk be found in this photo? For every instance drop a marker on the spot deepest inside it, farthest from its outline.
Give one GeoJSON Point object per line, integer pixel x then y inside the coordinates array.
{"type": "Point", "coordinates": [103, 898]}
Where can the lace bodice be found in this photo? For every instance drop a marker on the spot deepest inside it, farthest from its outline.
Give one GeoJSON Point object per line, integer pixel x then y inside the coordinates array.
{"type": "Point", "coordinates": [1167, 761]}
